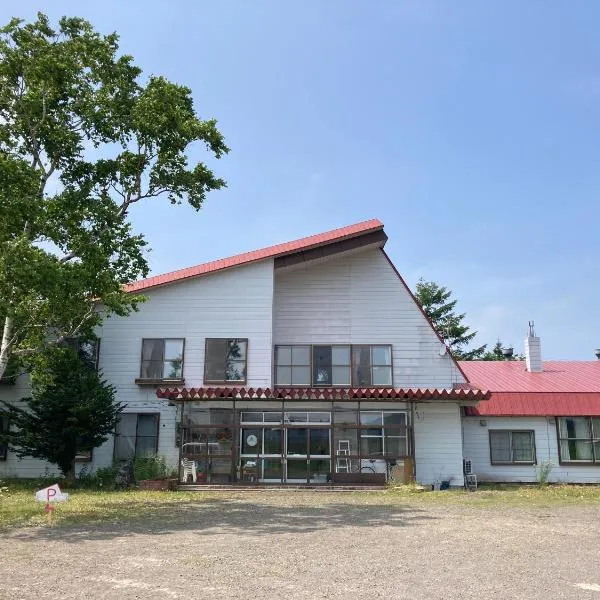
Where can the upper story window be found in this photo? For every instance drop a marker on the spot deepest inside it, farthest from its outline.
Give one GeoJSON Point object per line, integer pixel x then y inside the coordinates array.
{"type": "Point", "coordinates": [333, 365]}
{"type": "Point", "coordinates": [579, 439]}
{"type": "Point", "coordinates": [225, 360]}
{"type": "Point", "coordinates": [371, 366]}
{"type": "Point", "coordinates": [162, 358]}
{"type": "Point", "coordinates": [87, 350]}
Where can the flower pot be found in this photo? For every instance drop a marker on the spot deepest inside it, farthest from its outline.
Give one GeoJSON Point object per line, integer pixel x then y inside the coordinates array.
{"type": "Point", "coordinates": [154, 484]}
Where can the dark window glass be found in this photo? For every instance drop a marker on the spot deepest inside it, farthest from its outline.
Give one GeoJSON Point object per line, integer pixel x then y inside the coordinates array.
{"type": "Point", "coordinates": [512, 447]}
{"type": "Point", "coordinates": [322, 365]}
{"type": "Point", "coordinates": [162, 358]}
{"type": "Point", "coordinates": [136, 435]}
{"type": "Point", "coordinates": [3, 429]}
{"type": "Point", "coordinates": [225, 360]}
{"type": "Point", "coordinates": [579, 439]}
{"type": "Point", "coordinates": [252, 441]}
{"type": "Point", "coordinates": [87, 350]}
{"type": "Point", "coordinates": [361, 366]}
{"type": "Point", "coordinates": [319, 442]}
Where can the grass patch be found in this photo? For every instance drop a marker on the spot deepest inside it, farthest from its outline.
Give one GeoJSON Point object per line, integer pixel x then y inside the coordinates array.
{"type": "Point", "coordinates": [507, 494]}
{"type": "Point", "coordinates": [18, 507]}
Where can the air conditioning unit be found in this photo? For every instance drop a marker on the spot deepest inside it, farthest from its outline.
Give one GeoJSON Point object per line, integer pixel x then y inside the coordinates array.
{"type": "Point", "coordinates": [467, 466]}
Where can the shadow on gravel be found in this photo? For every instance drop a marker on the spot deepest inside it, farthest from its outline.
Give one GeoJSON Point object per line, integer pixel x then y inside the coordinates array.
{"type": "Point", "coordinates": [229, 516]}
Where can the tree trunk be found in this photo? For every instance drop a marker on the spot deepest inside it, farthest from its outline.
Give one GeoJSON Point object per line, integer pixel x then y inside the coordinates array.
{"type": "Point", "coordinates": [69, 472]}
{"type": "Point", "coordinates": [5, 346]}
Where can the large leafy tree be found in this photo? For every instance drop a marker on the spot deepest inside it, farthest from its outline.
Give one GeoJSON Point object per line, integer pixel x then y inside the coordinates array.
{"type": "Point", "coordinates": [74, 413]}
{"type": "Point", "coordinates": [437, 302]}
{"type": "Point", "coordinates": [83, 138]}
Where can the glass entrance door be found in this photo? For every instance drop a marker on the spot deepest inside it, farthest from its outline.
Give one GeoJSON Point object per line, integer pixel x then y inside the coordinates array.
{"type": "Point", "coordinates": [308, 455]}
{"type": "Point", "coordinates": [294, 447]}
{"type": "Point", "coordinates": [297, 455]}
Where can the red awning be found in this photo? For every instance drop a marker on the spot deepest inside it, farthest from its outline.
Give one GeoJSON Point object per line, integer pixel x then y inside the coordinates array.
{"type": "Point", "coordinates": [415, 394]}
{"type": "Point", "coordinates": [529, 404]}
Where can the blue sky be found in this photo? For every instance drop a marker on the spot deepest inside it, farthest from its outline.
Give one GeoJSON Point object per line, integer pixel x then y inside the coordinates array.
{"type": "Point", "coordinates": [472, 130]}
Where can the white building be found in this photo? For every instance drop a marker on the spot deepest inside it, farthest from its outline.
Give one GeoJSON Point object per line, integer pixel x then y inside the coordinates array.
{"type": "Point", "coordinates": [541, 416]}
{"type": "Point", "coordinates": [305, 362]}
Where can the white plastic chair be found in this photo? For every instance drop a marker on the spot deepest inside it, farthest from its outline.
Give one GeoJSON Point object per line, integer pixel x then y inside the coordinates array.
{"type": "Point", "coordinates": [189, 468]}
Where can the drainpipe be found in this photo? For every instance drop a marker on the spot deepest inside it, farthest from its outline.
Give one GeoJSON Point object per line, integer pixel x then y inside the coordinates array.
{"type": "Point", "coordinates": [412, 442]}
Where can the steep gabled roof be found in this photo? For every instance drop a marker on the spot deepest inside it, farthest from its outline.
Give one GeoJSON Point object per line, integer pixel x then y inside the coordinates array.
{"type": "Point", "coordinates": [277, 251]}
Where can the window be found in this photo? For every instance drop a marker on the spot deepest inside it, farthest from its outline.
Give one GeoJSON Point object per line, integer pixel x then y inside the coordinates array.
{"type": "Point", "coordinates": [512, 447]}
{"type": "Point", "coordinates": [225, 360]}
{"type": "Point", "coordinates": [136, 435]}
{"type": "Point", "coordinates": [579, 439]}
{"type": "Point", "coordinates": [371, 366]}
{"type": "Point", "coordinates": [3, 446]}
{"type": "Point", "coordinates": [383, 433]}
{"type": "Point", "coordinates": [87, 350]}
{"type": "Point", "coordinates": [83, 456]}
{"type": "Point", "coordinates": [333, 365]}
{"type": "Point", "coordinates": [161, 359]}
{"type": "Point", "coordinates": [292, 365]}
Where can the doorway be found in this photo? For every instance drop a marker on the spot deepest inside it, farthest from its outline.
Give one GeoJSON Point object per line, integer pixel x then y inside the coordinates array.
{"type": "Point", "coordinates": [293, 447]}
{"type": "Point", "coordinates": [308, 455]}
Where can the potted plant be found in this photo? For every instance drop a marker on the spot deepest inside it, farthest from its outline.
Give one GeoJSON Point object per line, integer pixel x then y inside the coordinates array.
{"type": "Point", "coordinates": [151, 472]}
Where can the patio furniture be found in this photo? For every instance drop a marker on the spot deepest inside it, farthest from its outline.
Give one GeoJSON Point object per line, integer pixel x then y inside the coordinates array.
{"type": "Point", "coordinates": [188, 469]}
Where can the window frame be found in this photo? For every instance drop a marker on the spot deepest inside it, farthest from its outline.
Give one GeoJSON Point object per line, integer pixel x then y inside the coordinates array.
{"type": "Point", "coordinates": [84, 456]}
{"type": "Point", "coordinates": [595, 461]}
{"type": "Point", "coordinates": [226, 381]}
{"type": "Point", "coordinates": [363, 430]}
{"type": "Point", "coordinates": [5, 428]}
{"type": "Point", "coordinates": [372, 365]}
{"type": "Point", "coordinates": [513, 462]}
{"type": "Point", "coordinates": [352, 384]}
{"type": "Point", "coordinates": [75, 344]}
{"type": "Point", "coordinates": [137, 426]}
{"type": "Point", "coordinates": [158, 380]}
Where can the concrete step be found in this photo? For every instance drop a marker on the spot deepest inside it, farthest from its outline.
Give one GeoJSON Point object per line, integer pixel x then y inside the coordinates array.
{"type": "Point", "coordinates": [280, 488]}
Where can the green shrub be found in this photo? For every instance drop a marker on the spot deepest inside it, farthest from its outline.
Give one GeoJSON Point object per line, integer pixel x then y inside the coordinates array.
{"type": "Point", "coordinates": [106, 477]}
{"type": "Point", "coordinates": [543, 472]}
{"type": "Point", "coordinates": [150, 466]}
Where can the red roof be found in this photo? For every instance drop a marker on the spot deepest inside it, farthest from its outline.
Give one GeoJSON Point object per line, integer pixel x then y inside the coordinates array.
{"type": "Point", "coordinates": [512, 376]}
{"type": "Point", "coordinates": [321, 393]}
{"type": "Point", "coordinates": [542, 404]}
{"type": "Point", "coordinates": [276, 251]}
{"type": "Point", "coordinates": [563, 388]}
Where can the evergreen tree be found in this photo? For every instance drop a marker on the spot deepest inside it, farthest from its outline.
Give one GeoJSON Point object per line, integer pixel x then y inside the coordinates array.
{"type": "Point", "coordinates": [439, 306]}
{"type": "Point", "coordinates": [497, 353]}
{"type": "Point", "coordinates": [74, 413]}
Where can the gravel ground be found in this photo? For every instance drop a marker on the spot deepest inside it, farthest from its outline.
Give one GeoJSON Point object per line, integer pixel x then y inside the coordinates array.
{"type": "Point", "coordinates": [303, 545]}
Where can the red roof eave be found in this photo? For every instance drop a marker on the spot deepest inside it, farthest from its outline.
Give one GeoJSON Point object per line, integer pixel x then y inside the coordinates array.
{"type": "Point", "coordinates": [301, 245]}
{"type": "Point", "coordinates": [414, 394]}
{"type": "Point", "coordinates": [538, 404]}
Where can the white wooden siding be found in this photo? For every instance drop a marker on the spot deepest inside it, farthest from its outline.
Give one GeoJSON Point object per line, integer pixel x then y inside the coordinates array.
{"type": "Point", "coordinates": [358, 299]}
{"type": "Point", "coordinates": [13, 466]}
{"type": "Point", "coordinates": [477, 448]}
{"type": "Point", "coordinates": [438, 443]}
{"type": "Point", "coordinates": [232, 303]}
